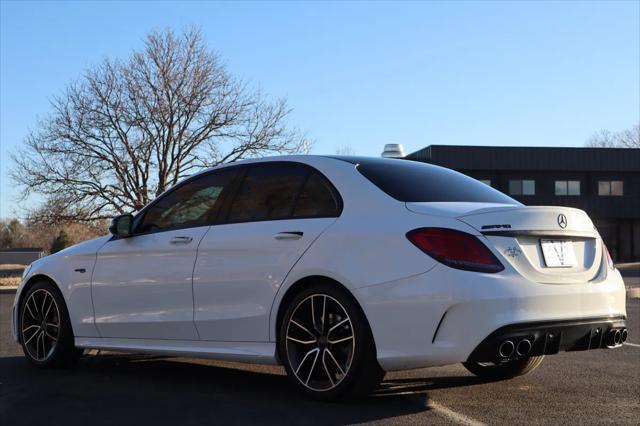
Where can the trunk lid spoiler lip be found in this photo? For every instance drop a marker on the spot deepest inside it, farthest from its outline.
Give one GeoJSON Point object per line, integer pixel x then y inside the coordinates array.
{"type": "Point", "coordinates": [564, 234]}
{"type": "Point", "coordinates": [456, 209]}
{"type": "Point", "coordinates": [517, 207]}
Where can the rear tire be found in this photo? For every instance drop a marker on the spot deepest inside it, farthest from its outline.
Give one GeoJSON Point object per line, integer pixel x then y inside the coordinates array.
{"type": "Point", "coordinates": [44, 328]}
{"type": "Point", "coordinates": [332, 356]}
{"type": "Point", "coordinates": [506, 370]}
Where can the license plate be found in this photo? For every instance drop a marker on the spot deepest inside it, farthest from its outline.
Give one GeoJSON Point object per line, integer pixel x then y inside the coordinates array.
{"type": "Point", "coordinates": [558, 253]}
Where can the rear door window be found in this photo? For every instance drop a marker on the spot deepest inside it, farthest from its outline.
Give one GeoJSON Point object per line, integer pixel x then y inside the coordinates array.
{"type": "Point", "coordinates": [317, 199]}
{"type": "Point", "coordinates": [268, 192]}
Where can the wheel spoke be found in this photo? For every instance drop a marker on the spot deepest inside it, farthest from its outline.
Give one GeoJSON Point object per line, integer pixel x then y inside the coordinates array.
{"type": "Point", "coordinates": [37, 332]}
{"type": "Point", "coordinates": [35, 306]}
{"type": "Point", "coordinates": [313, 315]}
{"type": "Point", "coordinates": [305, 358]}
{"type": "Point", "coordinates": [326, 370]}
{"type": "Point", "coordinates": [55, 339]}
{"type": "Point", "coordinates": [38, 345]}
{"type": "Point", "coordinates": [50, 324]}
{"type": "Point", "coordinates": [335, 361]}
{"type": "Point", "coordinates": [302, 342]}
{"type": "Point", "coordinates": [324, 308]}
{"type": "Point", "coordinates": [32, 306]}
{"type": "Point", "coordinates": [303, 327]}
{"type": "Point", "coordinates": [30, 327]}
{"type": "Point", "coordinates": [335, 342]}
{"type": "Point", "coordinates": [26, 305]}
{"type": "Point", "coordinates": [48, 309]}
{"type": "Point", "coordinates": [336, 326]}
{"type": "Point", "coordinates": [313, 366]}
{"type": "Point", "coordinates": [44, 301]}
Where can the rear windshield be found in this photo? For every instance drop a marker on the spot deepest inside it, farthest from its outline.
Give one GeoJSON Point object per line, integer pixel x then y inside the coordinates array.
{"type": "Point", "coordinates": [412, 181]}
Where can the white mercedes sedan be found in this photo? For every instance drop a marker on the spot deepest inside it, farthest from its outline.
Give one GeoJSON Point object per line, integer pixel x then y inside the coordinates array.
{"type": "Point", "coordinates": [338, 268]}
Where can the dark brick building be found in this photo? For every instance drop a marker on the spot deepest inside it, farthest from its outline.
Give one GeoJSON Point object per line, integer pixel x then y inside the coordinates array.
{"type": "Point", "coordinates": [605, 182]}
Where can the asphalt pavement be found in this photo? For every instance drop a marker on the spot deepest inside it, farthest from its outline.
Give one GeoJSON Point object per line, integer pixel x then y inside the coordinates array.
{"type": "Point", "coordinates": [592, 387]}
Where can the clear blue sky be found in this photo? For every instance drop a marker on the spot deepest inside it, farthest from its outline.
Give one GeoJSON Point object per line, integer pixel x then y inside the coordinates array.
{"type": "Point", "coordinates": [359, 74]}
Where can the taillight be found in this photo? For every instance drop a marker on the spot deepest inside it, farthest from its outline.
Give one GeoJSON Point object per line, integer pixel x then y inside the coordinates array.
{"type": "Point", "coordinates": [455, 249]}
{"type": "Point", "coordinates": [609, 259]}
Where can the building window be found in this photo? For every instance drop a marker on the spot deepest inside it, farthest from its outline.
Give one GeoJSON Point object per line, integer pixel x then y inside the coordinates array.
{"type": "Point", "coordinates": [485, 181]}
{"type": "Point", "coordinates": [522, 187]}
{"type": "Point", "coordinates": [611, 187]}
{"type": "Point", "coordinates": [567, 187]}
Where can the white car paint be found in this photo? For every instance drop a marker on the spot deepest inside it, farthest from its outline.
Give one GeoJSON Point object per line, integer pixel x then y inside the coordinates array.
{"type": "Point", "coordinates": [219, 295]}
{"type": "Point", "coordinates": [239, 259]}
{"type": "Point", "coordinates": [141, 286]}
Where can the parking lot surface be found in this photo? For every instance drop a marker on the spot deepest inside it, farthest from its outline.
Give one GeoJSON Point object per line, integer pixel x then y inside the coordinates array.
{"type": "Point", "coordinates": [592, 387]}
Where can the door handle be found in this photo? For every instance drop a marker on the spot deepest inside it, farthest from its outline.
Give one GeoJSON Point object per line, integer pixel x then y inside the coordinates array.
{"type": "Point", "coordinates": [288, 235]}
{"type": "Point", "coordinates": [181, 240]}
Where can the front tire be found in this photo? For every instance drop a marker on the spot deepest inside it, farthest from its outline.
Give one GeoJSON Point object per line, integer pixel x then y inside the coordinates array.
{"type": "Point", "coordinates": [44, 327]}
{"type": "Point", "coordinates": [506, 370]}
{"type": "Point", "coordinates": [326, 345]}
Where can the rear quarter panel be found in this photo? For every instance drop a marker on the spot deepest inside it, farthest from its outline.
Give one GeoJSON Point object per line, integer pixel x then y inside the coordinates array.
{"type": "Point", "coordinates": [367, 244]}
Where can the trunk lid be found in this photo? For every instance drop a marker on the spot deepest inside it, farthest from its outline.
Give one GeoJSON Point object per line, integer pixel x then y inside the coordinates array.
{"type": "Point", "coordinates": [546, 244]}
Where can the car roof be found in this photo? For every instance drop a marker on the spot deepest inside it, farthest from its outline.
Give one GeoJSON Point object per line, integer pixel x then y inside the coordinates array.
{"type": "Point", "coordinates": [302, 158]}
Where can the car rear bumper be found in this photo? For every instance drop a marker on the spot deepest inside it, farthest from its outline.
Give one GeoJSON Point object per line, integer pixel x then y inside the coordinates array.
{"type": "Point", "coordinates": [442, 316]}
{"type": "Point", "coordinates": [550, 337]}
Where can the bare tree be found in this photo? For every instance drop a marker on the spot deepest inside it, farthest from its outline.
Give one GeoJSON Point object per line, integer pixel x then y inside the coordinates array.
{"type": "Point", "coordinates": [129, 129]}
{"type": "Point", "coordinates": [629, 138]}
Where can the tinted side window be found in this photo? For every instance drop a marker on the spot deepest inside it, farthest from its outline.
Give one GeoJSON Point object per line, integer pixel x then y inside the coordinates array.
{"type": "Point", "coordinates": [268, 192]}
{"type": "Point", "coordinates": [412, 181]}
{"type": "Point", "coordinates": [192, 204]}
{"type": "Point", "coordinates": [316, 199]}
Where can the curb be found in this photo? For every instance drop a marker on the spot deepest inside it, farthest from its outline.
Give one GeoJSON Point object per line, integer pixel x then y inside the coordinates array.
{"type": "Point", "coordinates": [8, 289]}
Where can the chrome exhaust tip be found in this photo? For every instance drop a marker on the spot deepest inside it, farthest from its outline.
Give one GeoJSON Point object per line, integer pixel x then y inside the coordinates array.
{"type": "Point", "coordinates": [506, 349]}
{"type": "Point", "coordinates": [617, 338]}
{"type": "Point", "coordinates": [623, 335]}
{"type": "Point", "coordinates": [524, 347]}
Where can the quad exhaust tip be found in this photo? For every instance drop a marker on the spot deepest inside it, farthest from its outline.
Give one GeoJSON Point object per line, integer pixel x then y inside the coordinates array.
{"type": "Point", "coordinates": [506, 349]}
{"type": "Point", "coordinates": [524, 347]}
{"type": "Point", "coordinates": [617, 337]}
{"type": "Point", "coordinates": [509, 348]}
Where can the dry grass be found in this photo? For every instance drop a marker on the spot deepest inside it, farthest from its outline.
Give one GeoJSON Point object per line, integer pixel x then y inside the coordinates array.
{"type": "Point", "coordinates": [10, 274]}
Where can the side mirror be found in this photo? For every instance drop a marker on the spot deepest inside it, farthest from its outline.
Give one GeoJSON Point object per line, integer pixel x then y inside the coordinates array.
{"type": "Point", "coordinates": [121, 225]}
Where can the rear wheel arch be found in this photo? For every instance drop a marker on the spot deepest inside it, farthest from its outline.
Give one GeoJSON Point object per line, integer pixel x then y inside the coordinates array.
{"type": "Point", "coordinates": [297, 287]}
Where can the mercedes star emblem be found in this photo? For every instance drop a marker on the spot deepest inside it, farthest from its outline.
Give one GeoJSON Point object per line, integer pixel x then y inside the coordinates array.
{"type": "Point", "coordinates": [562, 221]}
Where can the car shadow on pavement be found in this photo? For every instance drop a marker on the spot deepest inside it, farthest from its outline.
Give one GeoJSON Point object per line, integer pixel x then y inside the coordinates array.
{"type": "Point", "coordinates": [126, 389]}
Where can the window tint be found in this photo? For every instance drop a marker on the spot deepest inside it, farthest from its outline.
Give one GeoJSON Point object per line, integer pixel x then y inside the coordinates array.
{"type": "Point", "coordinates": [192, 204]}
{"type": "Point", "coordinates": [268, 192]}
{"type": "Point", "coordinates": [412, 181]}
{"type": "Point", "coordinates": [316, 199]}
